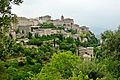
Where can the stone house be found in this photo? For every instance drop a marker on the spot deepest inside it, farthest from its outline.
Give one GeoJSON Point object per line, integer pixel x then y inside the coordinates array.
{"type": "Point", "coordinates": [22, 21]}
{"type": "Point", "coordinates": [35, 30]}
{"type": "Point", "coordinates": [85, 53]}
{"type": "Point", "coordinates": [35, 22]}
{"type": "Point", "coordinates": [26, 25]}
{"type": "Point", "coordinates": [43, 19]}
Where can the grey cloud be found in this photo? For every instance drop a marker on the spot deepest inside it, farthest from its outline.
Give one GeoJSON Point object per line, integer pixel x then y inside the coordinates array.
{"type": "Point", "coordinates": [99, 14]}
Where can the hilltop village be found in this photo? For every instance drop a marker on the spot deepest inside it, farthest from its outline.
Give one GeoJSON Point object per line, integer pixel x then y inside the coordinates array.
{"type": "Point", "coordinates": [65, 26]}
{"type": "Point", "coordinates": [26, 25]}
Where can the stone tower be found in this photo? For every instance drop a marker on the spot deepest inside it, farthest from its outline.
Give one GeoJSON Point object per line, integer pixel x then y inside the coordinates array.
{"type": "Point", "coordinates": [62, 18]}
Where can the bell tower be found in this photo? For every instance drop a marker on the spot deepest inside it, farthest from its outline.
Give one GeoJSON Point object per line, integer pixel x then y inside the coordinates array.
{"type": "Point", "coordinates": [62, 18]}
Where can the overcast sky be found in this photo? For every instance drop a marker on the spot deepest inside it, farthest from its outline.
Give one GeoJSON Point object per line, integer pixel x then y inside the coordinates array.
{"type": "Point", "coordinates": [99, 15]}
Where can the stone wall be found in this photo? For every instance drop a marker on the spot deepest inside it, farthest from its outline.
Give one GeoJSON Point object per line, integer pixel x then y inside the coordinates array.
{"type": "Point", "coordinates": [86, 53]}
{"type": "Point", "coordinates": [22, 21]}
{"type": "Point", "coordinates": [43, 19]}
{"type": "Point", "coordinates": [24, 25]}
{"type": "Point", "coordinates": [41, 32]}
{"type": "Point", "coordinates": [35, 22]}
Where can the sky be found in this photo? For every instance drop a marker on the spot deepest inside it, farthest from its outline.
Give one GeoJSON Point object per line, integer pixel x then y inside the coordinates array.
{"type": "Point", "coordinates": [99, 15]}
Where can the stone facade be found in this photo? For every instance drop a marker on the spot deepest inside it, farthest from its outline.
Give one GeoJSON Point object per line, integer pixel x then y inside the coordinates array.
{"type": "Point", "coordinates": [13, 34]}
{"type": "Point", "coordinates": [84, 28]}
{"type": "Point", "coordinates": [35, 22]}
{"type": "Point", "coordinates": [26, 25]}
{"type": "Point", "coordinates": [85, 53]}
{"type": "Point", "coordinates": [43, 19]}
{"type": "Point", "coordinates": [56, 22]}
{"type": "Point", "coordinates": [68, 23]}
{"type": "Point", "coordinates": [35, 30]}
{"type": "Point", "coordinates": [22, 21]}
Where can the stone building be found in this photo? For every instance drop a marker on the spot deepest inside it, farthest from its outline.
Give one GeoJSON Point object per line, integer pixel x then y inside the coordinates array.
{"type": "Point", "coordinates": [77, 28]}
{"type": "Point", "coordinates": [36, 30]}
{"type": "Point", "coordinates": [57, 22]}
{"type": "Point", "coordinates": [22, 21]}
{"type": "Point", "coordinates": [43, 19]}
{"type": "Point", "coordinates": [24, 26]}
{"type": "Point", "coordinates": [67, 23]}
{"type": "Point", "coordinates": [85, 53]}
{"type": "Point", "coordinates": [13, 34]}
{"type": "Point", "coordinates": [84, 28]}
{"type": "Point", "coordinates": [35, 22]}
{"type": "Point", "coordinates": [75, 36]}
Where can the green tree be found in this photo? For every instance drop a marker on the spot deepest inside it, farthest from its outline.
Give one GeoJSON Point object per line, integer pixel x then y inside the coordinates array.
{"type": "Point", "coordinates": [110, 51]}
{"type": "Point", "coordinates": [3, 72]}
{"type": "Point", "coordinates": [61, 66]}
{"type": "Point", "coordinates": [29, 35]}
{"type": "Point", "coordinates": [6, 19]}
{"type": "Point", "coordinates": [47, 25]}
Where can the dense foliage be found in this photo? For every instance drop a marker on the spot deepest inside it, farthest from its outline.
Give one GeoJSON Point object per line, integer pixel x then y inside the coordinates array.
{"type": "Point", "coordinates": [109, 51]}
{"type": "Point", "coordinates": [72, 31]}
{"type": "Point", "coordinates": [65, 65]}
{"type": "Point", "coordinates": [46, 25]}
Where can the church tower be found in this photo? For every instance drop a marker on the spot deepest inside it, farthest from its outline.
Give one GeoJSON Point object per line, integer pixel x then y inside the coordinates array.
{"type": "Point", "coordinates": [62, 18]}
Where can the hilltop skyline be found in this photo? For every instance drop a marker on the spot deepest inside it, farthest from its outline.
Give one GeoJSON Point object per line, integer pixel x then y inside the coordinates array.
{"type": "Point", "coordinates": [98, 15]}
